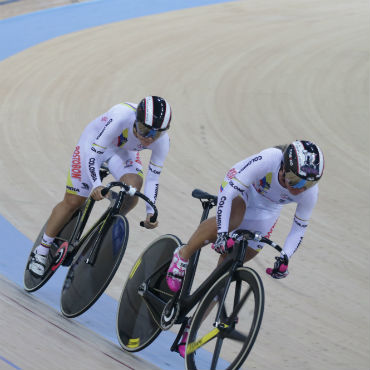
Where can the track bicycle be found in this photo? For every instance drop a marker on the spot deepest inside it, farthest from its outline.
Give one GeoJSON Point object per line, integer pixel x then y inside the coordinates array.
{"type": "Point", "coordinates": [94, 257]}
{"type": "Point", "coordinates": [228, 305]}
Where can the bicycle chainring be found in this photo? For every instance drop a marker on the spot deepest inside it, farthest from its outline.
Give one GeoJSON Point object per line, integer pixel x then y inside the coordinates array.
{"type": "Point", "coordinates": [169, 315]}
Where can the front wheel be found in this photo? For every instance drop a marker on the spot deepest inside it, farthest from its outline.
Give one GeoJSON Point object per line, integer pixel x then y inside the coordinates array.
{"type": "Point", "coordinates": [226, 344]}
{"type": "Point", "coordinates": [86, 282]}
{"type": "Point", "coordinates": [145, 294]}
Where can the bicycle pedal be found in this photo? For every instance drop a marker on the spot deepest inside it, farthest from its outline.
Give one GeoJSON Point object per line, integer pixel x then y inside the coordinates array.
{"type": "Point", "coordinates": [69, 257]}
{"type": "Point", "coordinates": [59, 256]}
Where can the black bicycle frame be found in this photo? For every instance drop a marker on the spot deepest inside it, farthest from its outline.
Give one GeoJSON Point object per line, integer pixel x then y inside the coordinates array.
{"type": "Point", "coordinates": [187, 301]}
{"type": "Point", "coordinates": [75, 242]}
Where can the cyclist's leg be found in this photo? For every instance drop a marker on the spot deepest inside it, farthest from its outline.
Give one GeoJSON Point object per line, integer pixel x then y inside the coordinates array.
{"type": "Point", "coordinates": [203, 235]}
{"type": "Point", "coordinates": [207, 231]}
{"type": "Point", "coordinates": [62, 213]}
{"type": "Point", "coordinates": [78, 187]}
{"type": "Point", "coordinates": [135, 181]}
{"type": "Point", "coordinates": [127, 168]}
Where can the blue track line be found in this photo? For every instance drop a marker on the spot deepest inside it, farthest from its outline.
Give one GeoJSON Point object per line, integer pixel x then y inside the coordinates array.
{"type": "Point", "coordinates": [10, 363]}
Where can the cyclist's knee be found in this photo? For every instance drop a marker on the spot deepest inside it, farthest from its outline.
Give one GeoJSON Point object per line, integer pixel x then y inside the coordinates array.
{"type": "Point", "coordinates": [72, 202]}
{"type": "Point", "coordinates": [132, 179]}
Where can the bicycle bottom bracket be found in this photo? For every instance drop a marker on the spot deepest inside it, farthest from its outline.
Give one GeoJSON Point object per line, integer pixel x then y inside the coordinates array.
{"type": "Point", "coordinates": [169, 315]}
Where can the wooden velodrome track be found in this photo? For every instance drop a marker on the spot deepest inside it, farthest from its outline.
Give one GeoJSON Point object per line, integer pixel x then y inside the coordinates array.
{"type": "Point", "coordinates": [240, 76]}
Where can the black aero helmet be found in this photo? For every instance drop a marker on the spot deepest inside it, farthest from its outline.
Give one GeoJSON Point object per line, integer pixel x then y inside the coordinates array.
{"type": "Point", "coordinates": [303, 163]}
{"type": "Point", "coordinates": [154, 112]}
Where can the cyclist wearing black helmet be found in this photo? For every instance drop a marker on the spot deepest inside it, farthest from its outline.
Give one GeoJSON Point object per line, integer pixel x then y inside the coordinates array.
{"type": "Point", "coordinates": [251, 197]}
{"type": "Point", "coordinates": [116, 137]}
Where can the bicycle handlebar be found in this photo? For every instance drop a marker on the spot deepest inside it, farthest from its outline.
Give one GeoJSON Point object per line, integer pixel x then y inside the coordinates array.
{"type": "Point", "coordinates": [256, 236]}
{"type": "Point", "coordinates": [132, 192]}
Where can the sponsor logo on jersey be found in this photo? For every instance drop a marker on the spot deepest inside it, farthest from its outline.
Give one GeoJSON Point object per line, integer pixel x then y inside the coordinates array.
{"type": "Point", "coordinates": [138, 160]}
{"type": "Point", "coordinates": [129, 163]}
{"type": "Point", "coordinates": [76, 164]}
{"type": "Point", "coordinates": [139, 147]}
{"type": "Point", "coordinates": [122, 139]}
{"type": "Point", "coordinates": [255, 159]}
{"type": "Point", "coordinates": [231, 173]}
{"type": "Point", "coordinates": [285, 198]}
{"type": "Point", "coordinates": [96, 150]}
{"type": "Point", "coordinates": [71, 188]}
{"type": "Point", "coordinates": [219, 211]}
{"type": "Point", "coordinates": [156, 172]}
{"type": "Point", "coordinates": [299, 223]}
{"type": "Point", "coordinates": [236, 187]}
{"type": "Point", "coordinates": [156, 192]}
{"type": "Point", "coordinates": [92, 169]}
{"type": "Point", "coordinates": [105, 126]}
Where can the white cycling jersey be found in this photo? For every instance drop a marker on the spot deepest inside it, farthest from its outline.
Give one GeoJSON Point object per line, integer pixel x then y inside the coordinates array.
{"type": "Point", "coordinates": [110, 138]}
{"type": "Point", "coordinates": [255, 179]}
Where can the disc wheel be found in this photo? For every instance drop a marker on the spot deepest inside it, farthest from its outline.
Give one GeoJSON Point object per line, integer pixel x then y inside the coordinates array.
{"type": "Point", "coordinates": [145, 294]}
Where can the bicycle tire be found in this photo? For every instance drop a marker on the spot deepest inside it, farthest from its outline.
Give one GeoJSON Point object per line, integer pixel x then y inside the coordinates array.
{"type": "Point", "coordinates": [32, 283]}
{"type": "Point", "coordinates": [85, 283]}
{"type": "Point", "coordinates": [137, 324]}
{"type": "Point", "coordinates": [229, 346]}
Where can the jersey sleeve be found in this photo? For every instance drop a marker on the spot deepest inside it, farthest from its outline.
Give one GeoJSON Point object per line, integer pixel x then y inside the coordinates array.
{"type": "Point", "coordinates": [159, 154]}
{"type": "Point", "coordinates": [115, 120]}
{"type": "Point", "coordinates": [300, 221]}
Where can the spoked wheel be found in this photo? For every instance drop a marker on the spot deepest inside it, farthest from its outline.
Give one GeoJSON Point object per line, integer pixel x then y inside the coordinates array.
{"type": "Point", "coordinates": [145, 294]}
{"type": "Point", "coordinates": [56, 255]}
{"type": "Point", "coordinates": [86, 282]}
{"type": "Point", "coordinates": [226, 344]}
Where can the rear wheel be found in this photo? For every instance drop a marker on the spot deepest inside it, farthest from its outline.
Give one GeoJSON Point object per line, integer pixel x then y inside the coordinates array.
{"type": "Point", "coordinates": [227, 343]}
{"type": "Point", "coordinates": [86, 282]}
{"type": "Point", "coordinates": [56, 256]}
{"type": "Point", "coordinates": [145, 294]}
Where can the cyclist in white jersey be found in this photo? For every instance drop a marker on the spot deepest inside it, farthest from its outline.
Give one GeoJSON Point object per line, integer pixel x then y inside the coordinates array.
{"type": "Point", "coordinates": [115, 137]}
{"type": "Point", "coordinates": [251, 197]}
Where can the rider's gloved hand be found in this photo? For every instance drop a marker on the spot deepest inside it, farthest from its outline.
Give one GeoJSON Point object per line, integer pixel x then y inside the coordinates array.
{"type": "Point", "coordinates": [222, 243]}
{"type": "Point", "coordinates": [96, 193]}
{"type": "Point", "coordinates": [150, 225]}
{"type": "Point", "coordinates": [280, 269]}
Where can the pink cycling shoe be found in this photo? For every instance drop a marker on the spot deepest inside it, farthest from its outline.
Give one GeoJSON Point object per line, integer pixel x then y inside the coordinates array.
{"type": "Point", "coordinates": [176, 271]}
{"type": "Point", "coordinates": [182, 346]}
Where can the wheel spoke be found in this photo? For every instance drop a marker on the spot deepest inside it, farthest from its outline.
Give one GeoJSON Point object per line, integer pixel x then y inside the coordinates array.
{"type": "Point", "coordinates": [216, 353]}
{"type": "Point", "coordinates": [236, 335]}
{"type": "Point", "coordinates": [239, 305]}
{"type": "Point", "coordinates": [238, 322]}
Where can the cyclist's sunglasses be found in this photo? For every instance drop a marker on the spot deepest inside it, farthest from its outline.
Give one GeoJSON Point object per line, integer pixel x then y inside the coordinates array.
{"type": "Point", "coordinates": [296, 182]}
{"type": "Point", "coordinates": [146, 131]}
